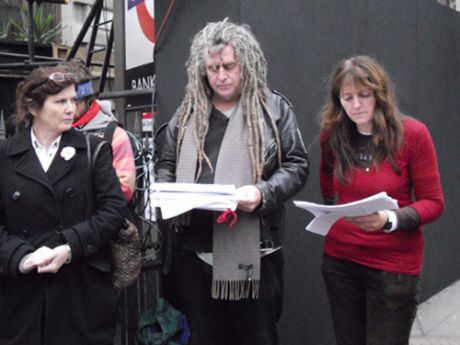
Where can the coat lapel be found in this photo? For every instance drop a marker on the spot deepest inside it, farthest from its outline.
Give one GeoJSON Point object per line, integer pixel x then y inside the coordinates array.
{"type": "Point", "coordinates": [61, 166]}
{"type": "Point", "coordinates": [28, 164]}
{"type": "Point", "coordinates": [26, 161]}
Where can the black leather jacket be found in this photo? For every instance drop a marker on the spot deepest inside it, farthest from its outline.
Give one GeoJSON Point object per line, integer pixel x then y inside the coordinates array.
{"type": "Point", "coordinates": [278, 184]}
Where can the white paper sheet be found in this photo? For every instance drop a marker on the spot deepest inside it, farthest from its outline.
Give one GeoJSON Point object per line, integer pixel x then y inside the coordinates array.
{"type": "Point", "coordinates": [176, 198]}
{"type": "Point", "coordinates": [327, 215]}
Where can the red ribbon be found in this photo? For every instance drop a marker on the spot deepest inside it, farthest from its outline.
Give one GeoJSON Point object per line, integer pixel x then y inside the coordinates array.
{"type": "Point", "coordinates": [227, 216]}
{"type": "Point", "coordinates": [88, 116]}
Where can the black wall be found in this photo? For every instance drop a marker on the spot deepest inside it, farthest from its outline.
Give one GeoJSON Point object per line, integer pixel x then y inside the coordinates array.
{"type": "Point", "coordinates": [418, 41]}
{"type": "Point", "coordinates": [10, 77]}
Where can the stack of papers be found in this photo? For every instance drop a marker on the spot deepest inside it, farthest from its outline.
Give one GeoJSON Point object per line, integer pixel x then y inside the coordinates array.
{"type": "Point", "coordinates": [176, 198]}
{"type": "Point", "coordinates": [327, 215]}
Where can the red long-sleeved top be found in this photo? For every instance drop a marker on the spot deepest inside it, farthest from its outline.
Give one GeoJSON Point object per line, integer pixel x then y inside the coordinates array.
{"type": "Point", "coordinates": [418, 186]}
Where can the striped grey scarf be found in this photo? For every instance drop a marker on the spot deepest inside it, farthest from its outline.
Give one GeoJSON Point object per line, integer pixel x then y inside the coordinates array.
{"type": "Point", "coordinates": [236, 251]}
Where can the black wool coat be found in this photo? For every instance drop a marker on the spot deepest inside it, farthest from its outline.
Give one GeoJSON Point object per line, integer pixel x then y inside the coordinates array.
{"type": "Point", "coordinates": [70, 203]}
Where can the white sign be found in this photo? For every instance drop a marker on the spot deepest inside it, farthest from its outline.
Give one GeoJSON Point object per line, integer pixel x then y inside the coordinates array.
{"type": "Point", "coordinates": [147, 122]}
{"type": "Point", "coordinates": [139, 32]}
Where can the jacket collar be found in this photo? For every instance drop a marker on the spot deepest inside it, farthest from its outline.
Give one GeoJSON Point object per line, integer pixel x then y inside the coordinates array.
{"type": "Point", "coordinates": [20, 148]}
{"type": "Point", "coordinates": [21, 141]}
{"type": "Point", "coordinates": [88, 116]}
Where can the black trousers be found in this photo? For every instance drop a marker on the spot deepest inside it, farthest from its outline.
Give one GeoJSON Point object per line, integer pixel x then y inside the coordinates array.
{"type": "Point", "coordinates": [217, 322]}
{"type": "Point", "coordinates": [368, 306]}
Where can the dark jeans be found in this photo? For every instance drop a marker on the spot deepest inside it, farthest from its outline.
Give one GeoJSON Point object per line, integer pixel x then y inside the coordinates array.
{"type": "Point", "coordinates": [368, 306]}
{"type": "Point", "coordinates": [217, 322]}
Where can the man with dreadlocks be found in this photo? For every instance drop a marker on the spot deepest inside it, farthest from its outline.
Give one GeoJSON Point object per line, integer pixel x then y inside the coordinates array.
{"type": "Point", "coordinates": [231, 129]}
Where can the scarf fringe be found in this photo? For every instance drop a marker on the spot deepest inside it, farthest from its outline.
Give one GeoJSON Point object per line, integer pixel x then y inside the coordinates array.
{"type": "Point", "coordinates": [235, 290]}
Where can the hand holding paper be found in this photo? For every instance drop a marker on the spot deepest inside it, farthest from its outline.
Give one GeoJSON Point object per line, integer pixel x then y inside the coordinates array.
{"type": "Point", "coordinates": [326, 215]}
{"type": "Point", "coordinates": [249, 198]}
{"type": "Point", "coordinates": [370, 222]}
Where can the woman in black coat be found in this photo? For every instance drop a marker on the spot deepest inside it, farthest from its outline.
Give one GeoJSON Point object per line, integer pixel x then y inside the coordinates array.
{"type": "Point", "coordinates": [57, 217]}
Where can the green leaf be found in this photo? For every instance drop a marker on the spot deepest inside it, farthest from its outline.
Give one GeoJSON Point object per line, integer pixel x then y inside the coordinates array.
{"type": "Point", "coordinates": [44, 26]}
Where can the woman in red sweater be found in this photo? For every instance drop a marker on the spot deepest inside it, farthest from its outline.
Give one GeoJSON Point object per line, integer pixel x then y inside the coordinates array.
{"type": "Point", "coordinates": [371, 263]}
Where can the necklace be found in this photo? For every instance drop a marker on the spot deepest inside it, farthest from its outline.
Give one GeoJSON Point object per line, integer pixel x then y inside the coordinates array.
{"type": "Point", "coordinates": [363, 154]}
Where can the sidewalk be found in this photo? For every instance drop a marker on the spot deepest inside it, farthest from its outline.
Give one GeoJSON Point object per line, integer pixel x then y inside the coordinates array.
{"type": "Point", "coordinates": [438, 319]}
{"type": "Point", "coordinates": [433, 341]}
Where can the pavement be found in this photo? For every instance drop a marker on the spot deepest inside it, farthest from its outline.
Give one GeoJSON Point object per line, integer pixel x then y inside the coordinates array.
{"type": "Point", "coordinates": [438, 319]}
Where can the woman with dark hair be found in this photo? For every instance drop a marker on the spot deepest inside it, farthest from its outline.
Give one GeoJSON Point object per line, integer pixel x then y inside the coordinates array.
{"type": "Point", "coordinates": [57, 217]}
{"type": "Point", "coordinates": [371, 263]}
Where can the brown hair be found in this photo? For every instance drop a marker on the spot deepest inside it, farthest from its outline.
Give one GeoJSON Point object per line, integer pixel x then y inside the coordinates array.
{"type": "Point", "coordinates": [33, 91]}
{"type": "Point", "coordinates": [83, 74]}
{"type": "Point", "coordinates": [363, 71]}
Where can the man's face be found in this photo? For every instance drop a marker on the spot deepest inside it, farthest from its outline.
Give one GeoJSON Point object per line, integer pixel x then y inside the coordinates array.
{"type": "Point", "coordinates": [224, 75]}
{"type": "Point", "coordinates": [81, 108]}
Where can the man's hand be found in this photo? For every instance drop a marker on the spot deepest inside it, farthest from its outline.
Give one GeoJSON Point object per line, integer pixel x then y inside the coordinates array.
{"type": "Point", "coordinates": [249, 198]}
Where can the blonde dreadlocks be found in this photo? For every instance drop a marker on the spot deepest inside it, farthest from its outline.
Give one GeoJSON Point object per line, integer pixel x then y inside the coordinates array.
{"type": "Point", "coordinates": [213, 38]}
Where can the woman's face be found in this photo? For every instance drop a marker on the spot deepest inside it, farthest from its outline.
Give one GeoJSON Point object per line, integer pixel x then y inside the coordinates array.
{"type": "Point", "coordinates": [57, 114]}
{"type": "Point", "coordinates": [359, 104]}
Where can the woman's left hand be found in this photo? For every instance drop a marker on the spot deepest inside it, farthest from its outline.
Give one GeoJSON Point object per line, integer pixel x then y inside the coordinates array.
{"type": "Point", "coordinates": [57, 260]}
{"type": "Point", "coordinates": [47, 260]}
{"type": "Point", "coordinates": [370, 223]}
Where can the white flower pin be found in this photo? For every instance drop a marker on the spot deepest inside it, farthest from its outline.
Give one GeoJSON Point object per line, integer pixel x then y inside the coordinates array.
{"type": "Point", "coordinates": [68, 152]}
